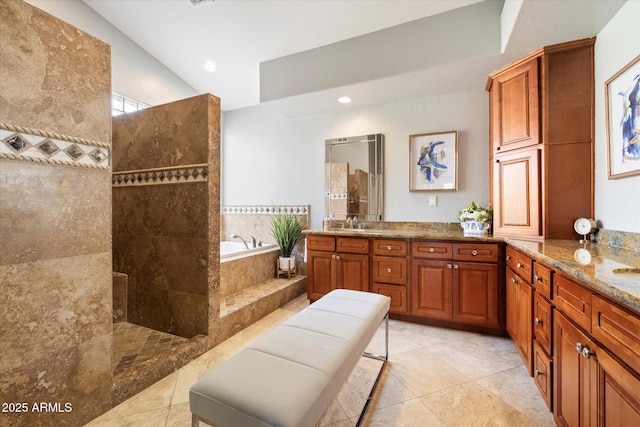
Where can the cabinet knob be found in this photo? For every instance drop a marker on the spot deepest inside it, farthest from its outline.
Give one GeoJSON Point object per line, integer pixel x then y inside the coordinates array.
{"type": "Point", "coordinates": [586, 353]}
{"type": "Point", "coordinates": [388, 270]}
{"type": "Point", "coordinates": [579, 347]}
{"type": "Point", "coordinates": [519, 265]}
{"type": "Point", "coordinates": [333, 256]}
{"type": "Point", "coordinates": [449, 266]}
{"type": "Point", "coordinates": [537, 373]}
{"type": "Point", "coordinates": [389, 247]}
{"type": "Point", "coordinates": [455, 266]}
{"type": "Point", "coordinates": [432, 250]}
{"type": "Point", "coordinates": [536, 278]}
{"type": "Point", "coordinates": [507, 258]}
{"type": "Point", "coordinates": [537, 321]}
{"type": "Point", "coordinates": [513, 280]}
{"type": "Point", "coordinates": [474, 252]}
{"type": "Point", "coordinates": [337, 256]}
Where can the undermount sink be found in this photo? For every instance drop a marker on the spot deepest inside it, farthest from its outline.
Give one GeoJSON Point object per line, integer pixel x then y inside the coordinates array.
{"type": "Point", "coordinates": [626, 271]}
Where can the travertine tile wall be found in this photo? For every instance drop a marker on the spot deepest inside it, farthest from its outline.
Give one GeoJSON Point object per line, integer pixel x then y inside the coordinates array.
{"type": "Point", "coordinates": [165, 206]}
{"type": "Point", "coordinates": [55, 220]}
{"type": "Point", "coordinates": [256, 221]}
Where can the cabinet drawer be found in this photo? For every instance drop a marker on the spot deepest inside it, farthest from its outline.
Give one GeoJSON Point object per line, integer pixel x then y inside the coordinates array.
{"type": "Point", "coordinates": [352, 245]}
{"type": "Point", "coordinates": [321, 243]}
{"type": "Point", "coordinates": [572, 300]}
{"type": "Point", "coordinates": [542, 322]}
{"type": "Point", "coordinates": [542, 280]}
{"type": "Point", "coordinates": [475, 252]}
{"type": "Point", "coordinates": [520, 263]}
{"type": "Point", "coordinates": [617, 330]}
{"type": "Point", "coordinates": [431, 250]}
{"type": "Point", "coordinates": [390, 270]}
{"type": "Point", "coordinates": [542, 374]}
{"type": "Point", "coordinates": [390, 247]}
{"type": "Point", "coordinates": [398, 295]}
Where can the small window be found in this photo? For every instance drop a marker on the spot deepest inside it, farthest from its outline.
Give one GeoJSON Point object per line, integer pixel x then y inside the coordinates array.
{"type": "Point", "coordinates": [121, 104]}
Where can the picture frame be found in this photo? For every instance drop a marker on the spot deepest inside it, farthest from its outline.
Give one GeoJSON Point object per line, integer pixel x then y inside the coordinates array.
{"type": "Point", "coordinates": [622, 105]}
{"type": "Point", "coordinates": [433, 161]}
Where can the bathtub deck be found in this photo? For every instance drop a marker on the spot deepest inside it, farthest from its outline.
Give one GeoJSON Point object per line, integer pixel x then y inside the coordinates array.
{"type": "Point", "coordinates": [245, 307]}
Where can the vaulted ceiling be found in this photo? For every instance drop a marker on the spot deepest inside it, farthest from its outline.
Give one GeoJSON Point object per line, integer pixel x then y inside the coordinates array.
{"type": "Point", "coordinates": [299, 56]}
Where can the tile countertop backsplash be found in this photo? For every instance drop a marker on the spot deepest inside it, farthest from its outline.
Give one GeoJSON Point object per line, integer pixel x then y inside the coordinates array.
{"type": "Point", "coordinates": [562, 255]}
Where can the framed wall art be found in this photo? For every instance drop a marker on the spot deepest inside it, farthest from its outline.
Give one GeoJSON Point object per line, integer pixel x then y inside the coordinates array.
{"type": "Point", "coordinates": [433, 161]}
{"type": "Point", "coordinates": [622, 99]}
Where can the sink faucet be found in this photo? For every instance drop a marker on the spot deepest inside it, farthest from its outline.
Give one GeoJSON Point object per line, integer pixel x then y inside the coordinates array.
{"type": "Point", "coordinates": [236, 236]}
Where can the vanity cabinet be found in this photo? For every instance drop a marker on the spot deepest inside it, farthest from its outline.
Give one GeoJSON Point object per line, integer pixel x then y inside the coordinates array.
{"type": "Point", "coordinates": [456, 282]}
{"type": "Point", "coordinates": [543, 331]}
{"type": "Point", "coordinates": [389, 271]}
{"type": "Point", "coordinates": [336, 263]}
{"type": "Point", "coordinates": [541, 141]}
{"type": "Point", "coordinates": [597, 359]}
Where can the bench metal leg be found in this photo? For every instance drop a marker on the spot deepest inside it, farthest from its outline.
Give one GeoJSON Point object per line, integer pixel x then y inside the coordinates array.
{"type": "Point", "coordinates": [384, 360]}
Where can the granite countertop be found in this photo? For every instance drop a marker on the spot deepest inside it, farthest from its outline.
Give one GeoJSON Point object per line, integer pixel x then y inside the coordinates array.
{"type": "Point", "coordinates": [562, 255]}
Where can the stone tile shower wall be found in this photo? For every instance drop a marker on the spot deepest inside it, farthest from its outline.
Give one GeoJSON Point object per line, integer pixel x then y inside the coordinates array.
{"type": "Point", "coordinates": [165, 206]}
{"type": "Point", "coordinates": [55, 219]}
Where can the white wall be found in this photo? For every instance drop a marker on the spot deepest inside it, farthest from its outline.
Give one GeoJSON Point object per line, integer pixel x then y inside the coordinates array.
{"type": "Point", "coordinates": [135, 73]}
{"type": "Point", "coordinates": [617, 201]}
{"type": "Point", "coordinates": [270, 159]}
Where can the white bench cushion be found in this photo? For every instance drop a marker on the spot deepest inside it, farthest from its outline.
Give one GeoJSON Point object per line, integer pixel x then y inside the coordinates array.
{"type": "Point", "coordinates": [288, 377]}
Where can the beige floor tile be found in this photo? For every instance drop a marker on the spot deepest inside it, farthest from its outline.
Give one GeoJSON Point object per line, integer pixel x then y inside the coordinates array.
{"type": "Point", "coordinates": [157, 396]}
{"type": "Point", "coordinates": [472, 405]}
{"type": "Point", "coordinates": [333, 415]}
{"type": "Point", "coordinates": [478, 356]}
{"type": "Point", "coordinates": [389, 391]}
{"type": "Point", "coordinates": [412, 413]}
{"type": "Point", "coordinates": [356, 389]}
{"type": "Point", "coordinates": [516, 387]}
{"type": "Point", "coordinates": [427, 336]}
{"type": "Point", "coordinates": [423, 372]}
{"type": "Point", "coordinates": [153, 418]}
{"type": "Point", "coordinates": [179, 416]}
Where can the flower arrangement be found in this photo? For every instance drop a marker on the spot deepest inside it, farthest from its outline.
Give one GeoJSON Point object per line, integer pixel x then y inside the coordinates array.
{"type": "Point", "coordinates": [474, 212]}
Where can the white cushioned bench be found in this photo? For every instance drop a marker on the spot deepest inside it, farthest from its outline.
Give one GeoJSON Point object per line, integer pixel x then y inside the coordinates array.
{"type": "Point", "coordinates": [288, 377]}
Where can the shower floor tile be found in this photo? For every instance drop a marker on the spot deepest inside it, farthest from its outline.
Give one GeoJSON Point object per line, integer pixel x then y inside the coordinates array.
{"type": "Point", "coordinates": [134, 344]}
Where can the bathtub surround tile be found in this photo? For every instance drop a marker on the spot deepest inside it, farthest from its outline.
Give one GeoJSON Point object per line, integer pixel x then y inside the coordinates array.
{"type": "Point", "coordinates": [120, 284]}
{"type": "Point", "coordinates": [242, 273]}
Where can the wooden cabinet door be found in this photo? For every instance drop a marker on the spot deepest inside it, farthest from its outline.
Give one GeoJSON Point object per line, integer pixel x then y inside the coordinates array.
{"type": "Point", "coordinates": [398, 295]}
{"type": "Point", "coordinates": [575, 378]}
{"type": "Point", "coordinates": [516, 193]}
{"type": "Point", "coordinates": [514, 107]}
{"type": "Point", "coordinates": [523, 323]}
{"type": "Point", "coordinates": [431, 291]}
{"type": "Point", "coordinates": [618, 393]}
{"type": "Point", "coordinates": [352, 271]}
{"type": "Point", "coordinates": [542, 322]}
{"type": "Point", "coordinates": [475, 294]}
{"type": "Point", "coordinates": [511, 283]}
{"type": "Point", "coordinates": [320, 280]}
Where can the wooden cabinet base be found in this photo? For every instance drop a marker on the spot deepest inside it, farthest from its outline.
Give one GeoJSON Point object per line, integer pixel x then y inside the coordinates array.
{"type": "Point", "coordinates": [501, 332]}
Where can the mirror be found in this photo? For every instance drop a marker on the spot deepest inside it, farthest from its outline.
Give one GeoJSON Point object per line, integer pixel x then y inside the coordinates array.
{"type": "Point", "coordinates": [353, 177]}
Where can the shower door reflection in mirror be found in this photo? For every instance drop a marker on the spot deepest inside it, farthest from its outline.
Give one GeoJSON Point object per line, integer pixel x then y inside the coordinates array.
{"type": "Point", "coordinates": [354, 177]}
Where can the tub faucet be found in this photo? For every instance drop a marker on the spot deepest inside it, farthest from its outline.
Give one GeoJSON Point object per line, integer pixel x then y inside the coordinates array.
{"type": "Point", "coordinates": [253, 240]}
{"type": "Point", "coordinates": [235, 236]}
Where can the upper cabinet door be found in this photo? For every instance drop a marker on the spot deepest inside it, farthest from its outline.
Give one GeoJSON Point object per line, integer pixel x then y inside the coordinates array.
{"type": "Point", "coordinates": [514, 108]}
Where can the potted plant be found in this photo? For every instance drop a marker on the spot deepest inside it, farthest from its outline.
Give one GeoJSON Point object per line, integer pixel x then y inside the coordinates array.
{"type": "Point", "coordinates": [475, 219]}
{"type": "Point", "coordinates": [286, 228]}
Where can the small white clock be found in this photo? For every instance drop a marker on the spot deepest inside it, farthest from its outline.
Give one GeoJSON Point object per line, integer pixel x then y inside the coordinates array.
{"type": "Point", "coordinates": [584, 226]}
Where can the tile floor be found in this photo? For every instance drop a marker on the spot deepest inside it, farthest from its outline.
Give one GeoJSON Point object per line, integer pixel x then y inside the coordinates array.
{"type": "Point", "coordinates": [134, 344]}
{"type": "Point", "coordinates": [435, 377]}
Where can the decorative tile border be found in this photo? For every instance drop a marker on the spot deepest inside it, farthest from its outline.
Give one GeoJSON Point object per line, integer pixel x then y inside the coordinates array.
{"type": "Point", "coordinates": [265, 210]}
{"type": "Point", "coordinates": [30, 145]}
{"type": "Point", "coordinates": [161, 176]}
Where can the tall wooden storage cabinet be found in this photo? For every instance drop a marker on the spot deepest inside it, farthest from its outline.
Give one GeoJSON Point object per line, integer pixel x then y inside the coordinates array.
{"type": "Point", "coordinates": [541, 142]}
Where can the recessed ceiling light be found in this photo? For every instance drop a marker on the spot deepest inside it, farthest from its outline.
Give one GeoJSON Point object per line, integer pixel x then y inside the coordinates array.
{"type": "Point", "coordinates": [209, 66]}
{"type": "Point", "coordinates": [344, 100]}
